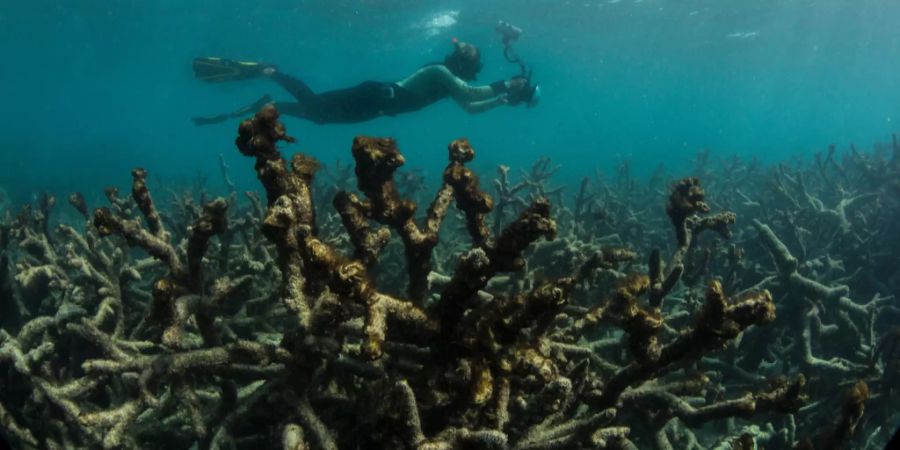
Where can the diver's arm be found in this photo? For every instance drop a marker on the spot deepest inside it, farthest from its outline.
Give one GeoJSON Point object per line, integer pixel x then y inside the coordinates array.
{"type": "Point", "coordinates": [461, 91]}
{"type": "Point", "coordinates": [484, 105]}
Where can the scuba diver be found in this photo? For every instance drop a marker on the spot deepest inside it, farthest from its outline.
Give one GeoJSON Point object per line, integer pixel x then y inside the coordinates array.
{"type": "Point", "coordinates": [372, 99]}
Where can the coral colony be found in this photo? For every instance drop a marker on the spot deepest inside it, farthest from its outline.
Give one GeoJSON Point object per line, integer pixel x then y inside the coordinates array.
{"type": "Point", "coordinates": [326, 317]}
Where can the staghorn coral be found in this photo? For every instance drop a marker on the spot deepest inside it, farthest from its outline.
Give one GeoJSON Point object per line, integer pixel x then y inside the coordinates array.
{"type": "Point", "coordinates": [266, 326]}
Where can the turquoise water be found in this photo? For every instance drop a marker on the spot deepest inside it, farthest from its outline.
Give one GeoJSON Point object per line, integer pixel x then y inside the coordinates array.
{"type": "Point", "coordinates": [91, 89]}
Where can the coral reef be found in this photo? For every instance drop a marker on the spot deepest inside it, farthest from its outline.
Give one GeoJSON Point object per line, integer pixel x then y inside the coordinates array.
{"type": "Point", "coordinates": [333, 314]}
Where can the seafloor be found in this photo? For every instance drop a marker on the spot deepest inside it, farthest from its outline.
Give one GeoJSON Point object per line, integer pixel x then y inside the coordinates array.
{"type": "Point", "coordinates": [745, 306]}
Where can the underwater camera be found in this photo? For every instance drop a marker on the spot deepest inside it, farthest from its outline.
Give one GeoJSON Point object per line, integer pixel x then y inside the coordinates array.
{"type": "Point", "coordinates": [531, 95]}
{"type": "Point", "coordinates": [535, 96]}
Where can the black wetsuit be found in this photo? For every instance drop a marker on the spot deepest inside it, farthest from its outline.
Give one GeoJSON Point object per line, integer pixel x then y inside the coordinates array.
{"type": "Point", "coordinates": [359, 103]}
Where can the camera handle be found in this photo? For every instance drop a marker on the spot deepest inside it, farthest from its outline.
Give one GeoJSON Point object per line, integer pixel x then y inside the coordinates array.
{"type": "Point", "coordinates": [510, 54]}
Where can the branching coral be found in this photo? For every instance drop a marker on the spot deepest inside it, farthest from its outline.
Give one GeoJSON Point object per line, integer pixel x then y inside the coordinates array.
{"type": "Point", "coordinates": [272, 324]}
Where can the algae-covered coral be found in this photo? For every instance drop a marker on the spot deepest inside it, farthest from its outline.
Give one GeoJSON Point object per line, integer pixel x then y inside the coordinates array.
{"type": "Point", "coordinates": [324, 317]}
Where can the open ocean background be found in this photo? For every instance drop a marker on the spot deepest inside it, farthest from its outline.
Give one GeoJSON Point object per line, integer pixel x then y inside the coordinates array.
{"type": "Point", "coordinates": [90, 89]}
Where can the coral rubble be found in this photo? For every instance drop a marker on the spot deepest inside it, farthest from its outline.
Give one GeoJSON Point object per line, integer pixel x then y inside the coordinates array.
{"type": "Point", "coordinates": [480, 324]}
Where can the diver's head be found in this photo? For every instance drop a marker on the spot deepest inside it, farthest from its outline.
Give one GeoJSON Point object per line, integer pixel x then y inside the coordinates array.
{"type": "Point", "coordinates": [465, 61]}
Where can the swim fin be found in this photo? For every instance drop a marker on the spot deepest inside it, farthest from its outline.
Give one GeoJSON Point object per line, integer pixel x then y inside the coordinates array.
{"type": "Point", "coordinates": [217, 70]}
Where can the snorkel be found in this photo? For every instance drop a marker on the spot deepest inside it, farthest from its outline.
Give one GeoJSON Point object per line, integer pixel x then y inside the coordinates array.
{"type": "Point", "coordinates": [531, 93]}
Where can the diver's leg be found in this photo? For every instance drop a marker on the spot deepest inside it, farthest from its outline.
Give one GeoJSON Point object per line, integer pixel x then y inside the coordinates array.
{"type": "Point", "coordinates": [241, 112]}
{"type": "Point", "coordinates": [365, 101]}
{"type": "Point", "coordinates": [355, 104]}
{"type": "Point", "coordinates": [312, 112]}
{"type": "Point", "coordinates": [293, 85]}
